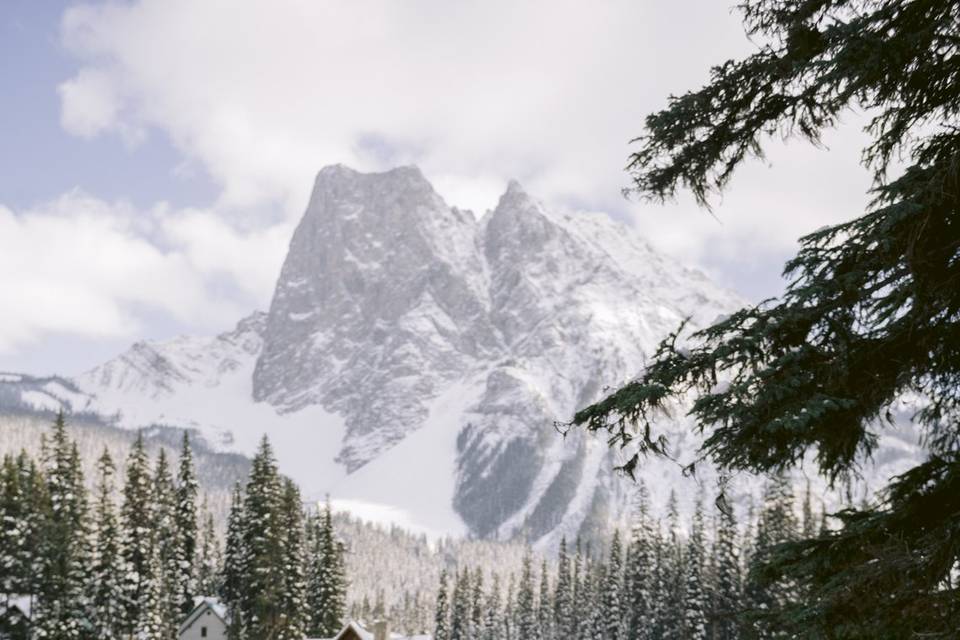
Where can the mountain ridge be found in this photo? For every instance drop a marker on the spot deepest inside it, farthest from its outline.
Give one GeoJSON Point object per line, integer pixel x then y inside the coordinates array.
{"type": "Point", "coordinates": [417, 355]}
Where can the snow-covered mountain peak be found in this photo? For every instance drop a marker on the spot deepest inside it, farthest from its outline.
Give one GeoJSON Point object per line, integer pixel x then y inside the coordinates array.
{"type": "Point", "coordinates": [416, 357]}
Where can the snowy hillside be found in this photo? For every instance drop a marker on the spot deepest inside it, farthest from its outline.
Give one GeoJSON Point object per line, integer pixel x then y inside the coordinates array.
{"type": "Point", "coordinates": [415, 358]}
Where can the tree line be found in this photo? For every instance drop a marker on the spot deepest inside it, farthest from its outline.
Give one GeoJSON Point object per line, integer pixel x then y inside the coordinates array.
{"type": "Point", "coordinates": [91, 568]}
{"type": "Point", "coordinates": [663, 582]}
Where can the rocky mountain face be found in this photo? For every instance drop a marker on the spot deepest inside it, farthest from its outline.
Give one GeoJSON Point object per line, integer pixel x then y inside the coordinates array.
{"type": "Point", "coordinates": [425, 355]}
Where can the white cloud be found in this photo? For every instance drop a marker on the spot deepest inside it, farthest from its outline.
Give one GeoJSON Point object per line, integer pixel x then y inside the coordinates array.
{"type": "Point", "coordinates": [264, 94]}
{"type": "Point", "coordinates": [89, 268]}
{"type": "Point", "coordinates": [261, 95]}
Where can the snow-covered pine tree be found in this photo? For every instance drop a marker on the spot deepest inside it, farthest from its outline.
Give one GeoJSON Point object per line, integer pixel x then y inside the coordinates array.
{"type": "Point", "coordinates": [441, 623]}
{"type": "Point", "coordinates": [13, 527]}
{"type": "Point", "coordinates": [187, 529]}
{"type": "Point", "coordinates": [35, 516]}
{"type": "Point", "coordinates": [62, 610]}
{"type": "Point", "coordinates": [136, 520]}
{"type": "Point", "coordinates": [209, 557]}
{"type": "Point", "coordinates": [107, 594]}
{"type": "Point", "coordinates": [545, 605]}
{"type": "Point", "coordinates": [525, 614]}
{"type": "Point", "coordinates": [167, 543]}
{"type": "Point", "coordinates": [640, 572]}
{"type": "Point", "coordinates": [152, 622]}
{"type": "Point", "coordinates": [292, 600]}
{"type": "Point", "coordinates": [315, 576]}
{"type": "Point", "coordinates": [727, 595]}
{"type": "Point", "coordinates": [460, 613]}
{"type": "Point", "coordinates": [611, 592]}
{"type": "Point", "coordinates": [492, 622]}
{"type": "Point", "coordinates": [234, 567]}
{"type": "Point", "coordinates": [671, 570]}
{"type": "Point", "coordinates": [509, 630]}
{"type": "Point", "coordinates": [777, 524]}
{"type": "Point", "coordinates": [695, 603]}
{"type": "Point", "coordinates": [576, 587]}
{"type": "Point", "coordinates": [563, 609]}
{"type": "Point", "coordinates": [587, 599]}
{"type": "Point", "coordinates": [262, 578]}
{"type": "Point", "coordinates": [476, 604]}
{"type": "Point", "coordinates": [332, 580]}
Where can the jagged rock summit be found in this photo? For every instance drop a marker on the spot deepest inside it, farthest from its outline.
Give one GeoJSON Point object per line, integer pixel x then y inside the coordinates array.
{"type": "Point", "coordinates": [416, 357]}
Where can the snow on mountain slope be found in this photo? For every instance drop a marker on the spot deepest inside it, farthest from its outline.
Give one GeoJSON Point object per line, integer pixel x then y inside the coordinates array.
{"type": "Point", "coordinates": [414, 359]}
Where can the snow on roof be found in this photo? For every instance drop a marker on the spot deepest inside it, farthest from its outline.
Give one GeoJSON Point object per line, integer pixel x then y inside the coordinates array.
{"type": "Point", "coordinates": [214, 603]}
{"type": "Point", "coordinates": [363, 634]}
{"type": "Point", "coordinates": [22, 603]}
{"type": "Point", "coordinates": [199, 604]}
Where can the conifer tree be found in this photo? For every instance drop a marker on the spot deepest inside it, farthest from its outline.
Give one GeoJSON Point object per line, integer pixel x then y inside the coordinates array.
{"type": "Point", "coordinates": [441, 626]}
{"type": "Point", "coordinates": [13, 527]}
{"type": "Point", "coordinates": [563, 609]}
{"type": "Point", "coordinates": [107, 595]}
{"type": "Point", "coordinates": [587, 598]}
{"type": "Point", "coordinates": [694, 592]}
{"type": "Point", "coordinates": [153, 622]}
{"type": "Point", "coordinates": [492, 621]}
{"type": "Point", "coordinates": [36, 517]}
{"type": "Point", "coordinates": [545, 605]}
{"type": "Point", "coordinates": [611, 592]}
{"type": "Point", "coordinates": [460, 614]}
{"type": "Point", "coordinates": [509, 610]}
{"type": "Point", "coordinates": [641, 570]}
{"type": "Point", "coordinates": [209, 557]}
{"type": "Point", "coordinates": [727, 598]}
{"type": "Point", "coordinates": [476, 604]}
{"type": "Point", "coordinates": [869, 314]}
{"type": "Point", "coordinates": [186, 529]}
{"type": "Point", "coordinates": [671, 570]}
{"type": "Point", "coordinates": [328, 587]}
{"type": "Point", "coordinates": [292, 597]}
{"type": "Point", "coordinates": [234, 566]}
{"type": "Point", "coordinates": [576, 573]}
{"type": "Point", "coordinates": [777, 525]}
{"type": "Point", "coordinates": [62, 608]}
{"type": "Point", "coordinates": [526, 613]}
{"type": "Point", "coordinates": [136, 516]}
{"type": "Point", "coordinates": [168, 546]}
{"type": "Point", "coordinates": [262, 578]}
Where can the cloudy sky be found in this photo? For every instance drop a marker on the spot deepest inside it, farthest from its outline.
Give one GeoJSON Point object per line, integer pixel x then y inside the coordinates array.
{"type": "Point", "coordinates": [156, 155]}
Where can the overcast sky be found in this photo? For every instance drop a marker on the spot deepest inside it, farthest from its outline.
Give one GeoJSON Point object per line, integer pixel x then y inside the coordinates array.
{"type": "Point", "coordinates": [156, 155]}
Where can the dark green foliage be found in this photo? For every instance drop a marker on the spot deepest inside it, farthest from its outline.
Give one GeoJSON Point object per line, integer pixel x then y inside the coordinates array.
{"type": "Point", "coordinates": [104, 577]}
{"type": "Point", "coordinates": [326, 577]}
{"type": "Point", "coordinates": [460, 615]}
{"type": "Point", "coordinates": [234, 567]}
{"type": "Point", "coordinates": [107, 606]}
{"type": "Point", "coordinates": [611, 592]}
{"type": "Point", "coordinates": [563, 615]}
{"type": "Point", "coordinates": [641, 570]}
{"type": "Point", "coordinates": [441, 627]}
{"type": "Point", "coordinates": [525, 614]}
{"type": "Point", "coordinates": [695, 596]}
{"type": "Point", "coordinates": [187, 529]}
{"type": "Point", "coordinates": [164, 607]}
{"type": "Point", "coordinates": [137, 527]}
{"type": "Point", "coordinates": [292, 600]}
{"type": "Point", "coordinates": [209, 557]}
{"type": "Point", "coordinates": [870, 315]}
{"type": "Point", "coordinates": [727, 600]}
{"type": "Point", "coordinates": [62, 606]}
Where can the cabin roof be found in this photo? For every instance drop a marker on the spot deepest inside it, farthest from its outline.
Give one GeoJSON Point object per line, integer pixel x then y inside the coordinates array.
{"type": "Point", "coordinates": [201, 604]}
